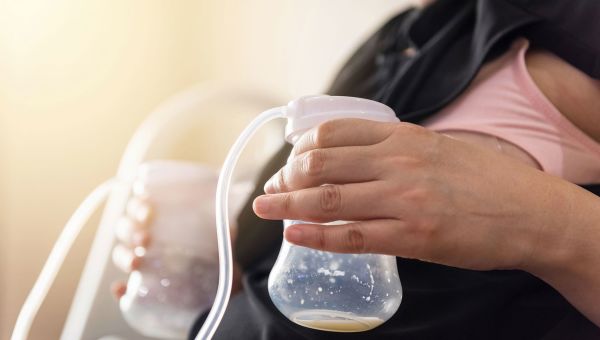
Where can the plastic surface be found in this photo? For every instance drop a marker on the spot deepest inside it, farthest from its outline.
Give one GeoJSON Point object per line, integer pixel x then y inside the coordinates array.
{"type": "Point", "coordinates": [334, 292]}
{"type": "Point", "coordinates": [369, 290]}
{"type": "Point", "coordinates": [223, 236]}
{"type": "Point", "coordinates": [324, 290]}
{"type": "Point", "coordinates": [307, 112]}
{"type": "Point", "coordinates": [178, 277]}
{"type": "Point", "coordinates": [181, 195]}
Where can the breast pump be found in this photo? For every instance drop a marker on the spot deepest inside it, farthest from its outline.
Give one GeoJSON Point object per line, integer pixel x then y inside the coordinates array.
{"type": "Point", "coordinates": [315, 289]}
{"type": "Point", "coordinates": [178, 276]}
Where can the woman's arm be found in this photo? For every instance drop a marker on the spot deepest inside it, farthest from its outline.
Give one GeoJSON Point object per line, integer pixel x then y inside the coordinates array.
{"type": "Point", "coordinates": [575, 94]}
{"type": "Point", "coordinates": [417, 194]}
{"type": "Point", "coordinates": [570, 260]}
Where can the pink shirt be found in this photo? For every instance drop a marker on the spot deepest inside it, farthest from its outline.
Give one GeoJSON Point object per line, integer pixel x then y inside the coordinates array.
{"type": "Point", "coordinates": [505, 103]}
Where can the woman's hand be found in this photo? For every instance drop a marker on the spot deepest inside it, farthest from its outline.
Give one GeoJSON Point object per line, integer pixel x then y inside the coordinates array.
{"type": "Point", "coordinates": [417, 194]}
{"type": "Point", "coordinates": [413, 193]}
{"type": "Point", "coordinates": [133, 235]}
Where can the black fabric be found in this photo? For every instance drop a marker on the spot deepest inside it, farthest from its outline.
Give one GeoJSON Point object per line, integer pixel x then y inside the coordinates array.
{"type": "Point", "coordinates": [452, 39]}
{"type": "Point", "coordinates": [257, 238]}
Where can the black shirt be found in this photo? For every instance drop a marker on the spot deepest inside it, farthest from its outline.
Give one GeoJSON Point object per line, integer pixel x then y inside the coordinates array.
{"type": "Point", "coordinates": [447, 44]}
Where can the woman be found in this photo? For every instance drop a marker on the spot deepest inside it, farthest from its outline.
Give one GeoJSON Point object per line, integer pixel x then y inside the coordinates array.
{"type": "Point", "coordinates": [488, 246]}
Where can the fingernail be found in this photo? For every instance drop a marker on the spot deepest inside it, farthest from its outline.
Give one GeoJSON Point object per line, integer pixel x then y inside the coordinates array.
{"type": "Point", "coordinates": [122, 258]}
{"type": "Point", "coordinates": [261, 204]}
{"type": "Point", "coordinates": [138, 210]}
{"type": "Point", "coordinates": [142, 213]}
{"type": "Point", "coordinates": [139, 238]}
{"type": "Point", "coordinates": [293, 235]}
{"type": "Point", "coordinates": [139, 251]}
{"type": "Point", "coordinates": [269, 187]}
{"type": "Point", "coordinates": [123, 229]}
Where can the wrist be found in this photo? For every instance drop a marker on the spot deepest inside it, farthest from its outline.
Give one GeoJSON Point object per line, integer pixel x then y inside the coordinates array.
{"type": "Point", "coordinates": [564, 229]}
{"type": "Point", "coordinates": [567, 257]}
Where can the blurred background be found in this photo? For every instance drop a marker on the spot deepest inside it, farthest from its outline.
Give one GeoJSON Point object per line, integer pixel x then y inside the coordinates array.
{"type": "Point", "coordinates": [78, 77]}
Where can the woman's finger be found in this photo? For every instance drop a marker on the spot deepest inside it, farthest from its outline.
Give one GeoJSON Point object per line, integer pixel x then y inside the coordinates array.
{"type": "Point", "coordinates": [325, 166]}
{"type": "Point", "coordinates": [343, 132]}
{"type": "Point", "coordinates": [118, 289]}
{"type": "Point", "coordinates": [125, 258]}
{"type": "Point", "coordinates": [140, 211]}
{"type": "Point", "coordinates": [357, 201]}
{"type": "Point", "coordinates": [381, 236]}
{"type": "Point", "coordinates": [131, 233]}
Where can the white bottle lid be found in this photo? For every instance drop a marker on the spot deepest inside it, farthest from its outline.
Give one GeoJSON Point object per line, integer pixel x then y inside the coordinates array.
{"type": "Point", "coordinates": [307, 112]}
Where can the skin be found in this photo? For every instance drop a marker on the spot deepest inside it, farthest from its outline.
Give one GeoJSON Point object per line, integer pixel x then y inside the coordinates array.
{"type": "Point", "coordinates": [572, 92]}
{"type": "Point", "coordinates": [131, 232]}
{"type": "Point", "coordinates": [418, 194]}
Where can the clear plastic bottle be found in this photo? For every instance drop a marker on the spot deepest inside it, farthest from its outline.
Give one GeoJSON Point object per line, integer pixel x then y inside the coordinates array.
{"type": "Point", "coordinates": [179, 272]}
{"type": "Point", "coordinates": [332, 291]}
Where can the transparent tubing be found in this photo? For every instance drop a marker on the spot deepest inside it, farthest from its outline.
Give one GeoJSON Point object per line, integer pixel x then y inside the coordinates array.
{"type": "Point", "coordinates": [223, 237]}
{"type": "Point", "coordinates": [56, 258]}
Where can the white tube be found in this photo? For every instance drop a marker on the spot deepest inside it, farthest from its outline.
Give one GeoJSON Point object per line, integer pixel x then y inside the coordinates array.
{"type": "Point", "coordinates": [56, 258]}
{"type": "Point", "coordinates": [223, 238]}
